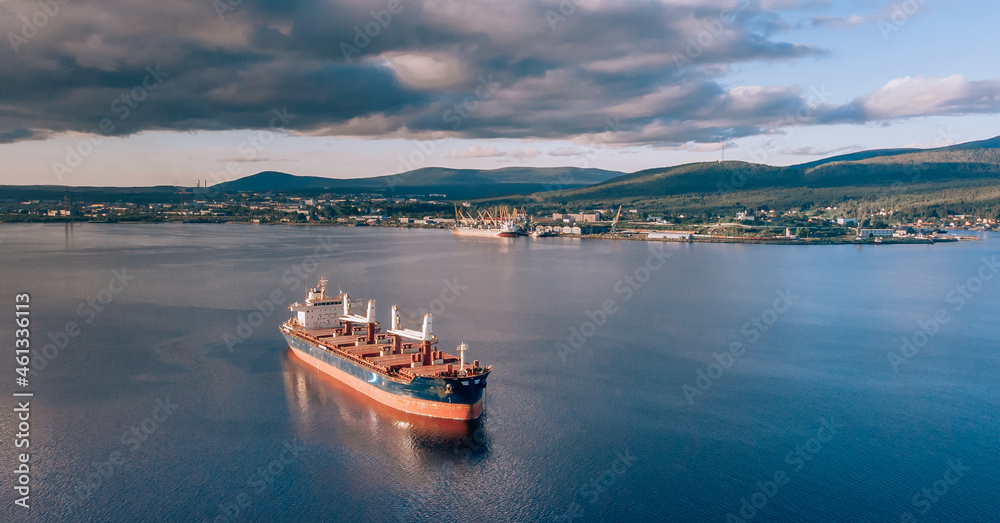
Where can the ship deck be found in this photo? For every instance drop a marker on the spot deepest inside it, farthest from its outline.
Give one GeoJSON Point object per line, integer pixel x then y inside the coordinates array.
{"type": "Point", "coordinates": [365, 351]}
{"type": "Point", "coordinates": [370, 354]}
{"type": "Point", "coordinates": [322, 333]}
{"type": "Point", "coordinates": [393, 361]}
{"type": "Point", "coordinates": [433, 370]}
{"type": "Point", "coordinates": [339, 341]}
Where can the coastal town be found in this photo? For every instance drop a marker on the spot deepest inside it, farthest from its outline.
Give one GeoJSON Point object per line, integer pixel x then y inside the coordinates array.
{"type": "Point", "coordinates": [815, 225]}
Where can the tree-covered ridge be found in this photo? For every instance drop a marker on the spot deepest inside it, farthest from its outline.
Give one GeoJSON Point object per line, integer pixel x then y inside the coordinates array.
{"type": "Point", "coordinates": [961, 179]}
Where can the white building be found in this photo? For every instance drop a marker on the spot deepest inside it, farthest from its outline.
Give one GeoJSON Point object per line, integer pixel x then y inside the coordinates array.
{"type": "Point", "coordinates": [876, 232]}
{"type": "Point", "coordinates": [669, 235]}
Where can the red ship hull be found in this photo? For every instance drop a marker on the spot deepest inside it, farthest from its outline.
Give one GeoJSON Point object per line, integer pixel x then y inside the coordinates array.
{"type": "Point", "coordinates": [436, 409]}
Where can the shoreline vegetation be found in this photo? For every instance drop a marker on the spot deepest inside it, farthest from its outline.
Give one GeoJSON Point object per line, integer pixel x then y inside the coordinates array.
{"type": "Point", "coordinates": [703, 234]}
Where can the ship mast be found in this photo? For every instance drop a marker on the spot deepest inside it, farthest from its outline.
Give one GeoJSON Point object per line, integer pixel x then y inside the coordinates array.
{"type": "Point", "coordinates": [322, 285]}
{"type": "Point", "coordinates": [461, 354]}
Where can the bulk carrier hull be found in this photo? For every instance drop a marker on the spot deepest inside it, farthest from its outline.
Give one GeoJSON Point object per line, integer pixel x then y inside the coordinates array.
{"type": "Point", "coordinates": [423, 396]}
{"type": "Point", "coordinates": [487, 233]}
{"type": "Point", "coordinates": [399, 368]}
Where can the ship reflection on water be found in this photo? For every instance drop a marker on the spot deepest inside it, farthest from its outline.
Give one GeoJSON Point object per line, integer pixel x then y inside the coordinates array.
{"type": "Point", "coordinates": [327, 411]}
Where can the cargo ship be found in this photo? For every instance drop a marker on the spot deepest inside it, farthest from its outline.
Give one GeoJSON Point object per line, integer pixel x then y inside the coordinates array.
{"type": "Point", "coordinates": [497, 223]}
{"type": "Point", "coordinates": [400, 367]}
{"type": "Point", "coordinates": [505, 230]}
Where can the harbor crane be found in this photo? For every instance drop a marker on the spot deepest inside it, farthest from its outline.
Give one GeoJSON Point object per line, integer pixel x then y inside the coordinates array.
{"type": "Point", "coordinates": [614, 223]}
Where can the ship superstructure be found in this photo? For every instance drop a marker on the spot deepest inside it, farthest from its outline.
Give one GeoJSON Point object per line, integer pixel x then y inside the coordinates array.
{"type": "Point", "coordinates": [400, 367]}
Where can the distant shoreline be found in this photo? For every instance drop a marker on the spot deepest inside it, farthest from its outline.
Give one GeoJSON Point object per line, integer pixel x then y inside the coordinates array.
{"type": "Point", "coordinates": [626, 236]}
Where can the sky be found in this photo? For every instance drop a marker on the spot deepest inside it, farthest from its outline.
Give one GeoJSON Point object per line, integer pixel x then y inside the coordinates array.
{"type": "Point", "coordinates": [147, 92]}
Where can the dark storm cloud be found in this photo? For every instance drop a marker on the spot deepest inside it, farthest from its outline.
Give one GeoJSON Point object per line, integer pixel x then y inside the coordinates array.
{"type": "Point", "coordinates": [474, 69]}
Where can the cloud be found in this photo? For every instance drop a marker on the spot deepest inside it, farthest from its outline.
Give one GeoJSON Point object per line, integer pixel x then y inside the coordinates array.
{"type": "Point", "coordinates": [525, 154]}
{"type": "Point", "coordinates": [477, 69]}
{"type": "Point", "coordinates": [255, 159]}
{"type": "Point", "coordinates": [405, 71]}
{"type": "Point", "coordinates": [475, 152]}
{"type": "Point", "coordinates": [8, 135]}
{"type": "Point", "coordinates": [425, 71]}
{"type": "Point", "coordinates": [566, 152]}
{"type": "Point", "coordinates": [889, 18]}
{"type": "Point", "coordinates": [839, 22]}
{"type": "Point", "coordinates": [706, 147]}
{"type": "Point", "coordinates": [492, 152]}
{"type": "Point", "coordinates": [921, 96]}
{"type": "Point", "coordinates": [813, 151]}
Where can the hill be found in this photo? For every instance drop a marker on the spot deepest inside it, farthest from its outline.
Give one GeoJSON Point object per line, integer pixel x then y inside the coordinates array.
{"type": "Point", "coordinates": [455, 183]}
{"type": "Point", "coordinates": [138, 195]}
{"type": "Point", "coordinates": [963, 178]}
{"type": "Point", "coordinates": [958, 179]}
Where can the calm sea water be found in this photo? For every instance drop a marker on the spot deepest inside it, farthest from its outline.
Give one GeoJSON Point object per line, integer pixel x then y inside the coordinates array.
{"type": "Point", "coordinates": [724, 379]}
